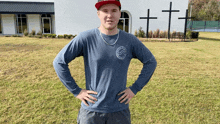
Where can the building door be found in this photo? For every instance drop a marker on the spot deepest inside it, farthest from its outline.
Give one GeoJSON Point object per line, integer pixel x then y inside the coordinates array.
{"type": "Point", "coordinates": [21, 23]}
{"type": "Point", "coordinates": [46, 25]}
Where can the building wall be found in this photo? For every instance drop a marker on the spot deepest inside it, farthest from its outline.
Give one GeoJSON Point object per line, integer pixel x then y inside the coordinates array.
{"type": "Point", "coordinates": [8, 24]}
{"type": "Point", "coordinates": [34, 22]}
{"type": "Point", "coordinates": [74, 17]}
{"type": "Point", "coordinates": [156, 6]}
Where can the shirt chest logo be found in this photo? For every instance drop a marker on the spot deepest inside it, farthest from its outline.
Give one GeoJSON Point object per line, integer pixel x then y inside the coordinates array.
{"type": "Point", "coordinates": [121, 52]}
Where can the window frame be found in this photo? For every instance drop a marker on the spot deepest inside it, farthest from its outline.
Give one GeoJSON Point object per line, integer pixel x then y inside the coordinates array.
{"type": "Point", "coordinates": [126, 19]}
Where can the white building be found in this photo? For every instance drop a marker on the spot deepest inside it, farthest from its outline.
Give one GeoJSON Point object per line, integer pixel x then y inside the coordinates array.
{"type": "Point", "coordinates": [74, 16]}
{"type": "Point", "coordinates": [16, 16]}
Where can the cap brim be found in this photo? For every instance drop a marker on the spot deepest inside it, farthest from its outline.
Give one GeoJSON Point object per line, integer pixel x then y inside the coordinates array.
{"type": "Point", "coordinates": [99, 4]}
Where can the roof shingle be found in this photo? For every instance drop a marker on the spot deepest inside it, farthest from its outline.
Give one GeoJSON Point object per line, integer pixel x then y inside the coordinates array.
{"type": "Point", "coordinates": [26, 7]}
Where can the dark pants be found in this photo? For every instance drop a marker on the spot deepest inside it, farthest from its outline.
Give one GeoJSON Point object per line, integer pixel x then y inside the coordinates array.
{"type": "Point", "coordinates": [90, 117]}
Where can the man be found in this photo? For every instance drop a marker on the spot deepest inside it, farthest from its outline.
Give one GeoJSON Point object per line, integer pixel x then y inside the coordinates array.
{"type": "Point", "coordinates": [107, 52]}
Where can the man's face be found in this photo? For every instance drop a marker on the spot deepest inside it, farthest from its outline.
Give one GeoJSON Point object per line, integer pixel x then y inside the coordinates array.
{"type": "Point", "coordinates": [109, 16]}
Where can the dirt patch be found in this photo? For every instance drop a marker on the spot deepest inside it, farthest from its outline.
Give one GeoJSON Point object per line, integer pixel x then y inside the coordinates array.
{"type": "Point", "coordinates": [19, 47]}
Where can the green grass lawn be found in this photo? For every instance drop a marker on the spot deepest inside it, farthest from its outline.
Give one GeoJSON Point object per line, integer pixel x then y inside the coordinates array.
{"type": "Point", "coordinates": [185, 87]}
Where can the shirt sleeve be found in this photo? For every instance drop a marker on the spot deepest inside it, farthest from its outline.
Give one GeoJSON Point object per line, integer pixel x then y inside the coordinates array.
{"type": "Point", "coordinates": [141, 52]}
{"type": "Point", "coordinates": [66, 55]}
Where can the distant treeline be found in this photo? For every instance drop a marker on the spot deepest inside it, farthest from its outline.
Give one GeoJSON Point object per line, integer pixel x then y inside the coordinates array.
{"type": "Point", "coordinates": [205, 10]}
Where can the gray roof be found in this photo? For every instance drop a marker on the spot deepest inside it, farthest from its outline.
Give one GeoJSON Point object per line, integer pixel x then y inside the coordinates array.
{"type": "Point", "coordinates": [7, 7]}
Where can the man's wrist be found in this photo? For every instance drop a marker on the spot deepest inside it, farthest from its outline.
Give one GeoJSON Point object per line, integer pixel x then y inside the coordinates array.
{"type": "Point", "coordinates": [76, 92]}
{"type": "Point", "coordinates": [133, 90]}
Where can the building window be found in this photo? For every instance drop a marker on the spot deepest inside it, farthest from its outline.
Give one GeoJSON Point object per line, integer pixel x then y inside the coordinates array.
{"type": "Point", "coordinates": [21, 23]}
{"type": "Point", "coordinates": [123, 23]}
{"type": "Point", "coordinates": [0, 24]}
{"type": "Point", "coordinates": [46, 23]}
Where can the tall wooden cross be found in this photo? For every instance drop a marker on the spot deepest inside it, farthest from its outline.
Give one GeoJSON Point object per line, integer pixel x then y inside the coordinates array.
{"type": "Point", "coordinates": [185, 22]}
{"type": "Point", "coordinates": [170, 11]}
{"type": "Point", "coordinates": [148, 20]}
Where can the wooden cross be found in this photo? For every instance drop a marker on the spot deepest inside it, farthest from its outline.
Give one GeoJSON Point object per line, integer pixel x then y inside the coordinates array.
{"type": "Point", "coordinates": [185, 22]}
{"type": "Point", "coordinates": [170, 11]}
{"type": "Point", "coordinates": [148, 19]}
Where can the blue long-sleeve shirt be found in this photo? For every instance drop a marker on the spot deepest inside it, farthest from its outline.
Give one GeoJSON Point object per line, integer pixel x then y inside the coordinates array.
{"type": "Point", "coordinates": [106, 64]}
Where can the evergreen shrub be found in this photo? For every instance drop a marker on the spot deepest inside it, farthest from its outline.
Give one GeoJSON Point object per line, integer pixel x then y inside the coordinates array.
{"type": "Point", "coordinates": [157, 33]}
{"type": "Point", "coordinates": [189, 34]}
{"type": "Point", "coordinates": [162, 34]}
{"type": "Point", "coordinates": [173, 34]}
{"type": "Point", "coordinates": [141, 33]}
{"type": "Point", "coordinates": [30, 35]}
{"type": "Point", "coordinates": [60, 36]}
{"type": "Point", "coordinates": [25, 32]}
{"type": "Point", "coordinates": [150, 33]}
{"type": "Point", "coordinates": [49, 35]}
{"type": "Point", "coordinates": [45, 35]}
{"type": "Point", "coordinates": [53, 35]}
{"type": "Point", "coordinates": [69, 36]}
{"type": "Point", "coordinates": [39, 32]}
{"type": "Point", "coordinates": [166, 34]}
{"type": "Point", "coordinates": [180, 35]}
{"type": "Point", "coordinates": [38, 36]}
{"type": "Point", "coordinates": [65, 35]}
{"type": "Point", "coordinates": [136, 33]}
{"type": "Point", "coordinates": [33, 32]}
{"type": "Point", "coordinates": [74, 36]}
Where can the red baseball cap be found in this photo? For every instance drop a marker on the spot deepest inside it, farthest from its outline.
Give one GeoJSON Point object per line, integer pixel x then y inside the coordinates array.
{"type": "Point", "coordinates": [103, 2]}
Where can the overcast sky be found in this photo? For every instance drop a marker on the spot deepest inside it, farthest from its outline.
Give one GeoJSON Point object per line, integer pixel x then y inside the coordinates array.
{"type": "Point", "coordinates": [31, 0]}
